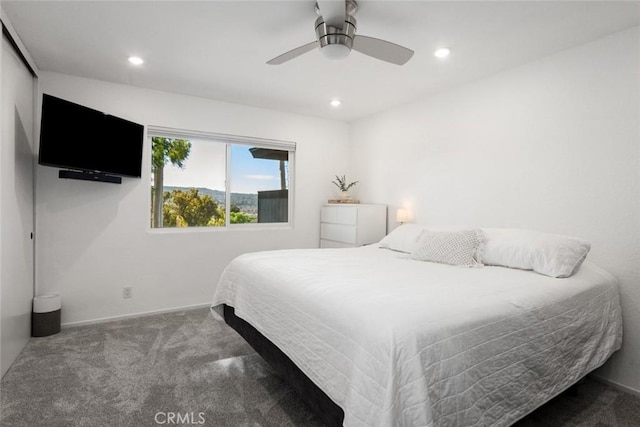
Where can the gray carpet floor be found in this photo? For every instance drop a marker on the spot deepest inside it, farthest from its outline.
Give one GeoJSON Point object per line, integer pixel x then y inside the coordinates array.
{"type": "Point", "coordinates": [139, 371]}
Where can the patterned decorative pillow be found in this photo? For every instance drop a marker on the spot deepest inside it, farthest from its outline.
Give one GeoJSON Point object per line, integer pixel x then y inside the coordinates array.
{"type": "Point", "coordinates": [463, 247]}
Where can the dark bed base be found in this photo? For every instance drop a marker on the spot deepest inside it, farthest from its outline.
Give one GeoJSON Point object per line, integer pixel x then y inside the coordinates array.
{"type": "Point", "coordinates": [330, 413]}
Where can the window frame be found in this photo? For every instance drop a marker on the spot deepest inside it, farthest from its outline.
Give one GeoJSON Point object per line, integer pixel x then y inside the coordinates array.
{"type": "Point", "coordinates": [228, 140]}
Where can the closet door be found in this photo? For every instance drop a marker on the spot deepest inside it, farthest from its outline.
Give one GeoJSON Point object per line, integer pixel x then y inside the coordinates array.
{"type": "Point", "coordinates": [17, 148]}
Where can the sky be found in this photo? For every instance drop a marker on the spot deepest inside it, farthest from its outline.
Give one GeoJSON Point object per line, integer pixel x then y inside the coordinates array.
{"type": "Point", "coordinates": [205, 167]}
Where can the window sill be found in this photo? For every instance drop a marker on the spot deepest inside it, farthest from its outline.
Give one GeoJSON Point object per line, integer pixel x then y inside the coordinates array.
{"type": "Point", "coordinates": [229, 228]}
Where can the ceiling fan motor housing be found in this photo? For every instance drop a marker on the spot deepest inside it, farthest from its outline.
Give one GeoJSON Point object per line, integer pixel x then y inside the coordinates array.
{"type": "Point", "coordinates": [329, 36]}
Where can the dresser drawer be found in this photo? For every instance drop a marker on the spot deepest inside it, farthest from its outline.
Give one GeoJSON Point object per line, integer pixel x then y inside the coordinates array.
{"type": "Point", "coordinates": [338, 233]}
{"type": "Point", "coordinates": [351, 225]}
{"type": "Point", "coordinates": [347, 215]}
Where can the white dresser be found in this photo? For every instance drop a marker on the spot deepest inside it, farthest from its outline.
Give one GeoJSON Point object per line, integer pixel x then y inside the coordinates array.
{"type": "Point", "coordinates": [351, 225]}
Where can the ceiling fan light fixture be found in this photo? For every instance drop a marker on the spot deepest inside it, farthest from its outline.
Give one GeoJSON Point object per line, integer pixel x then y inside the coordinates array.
{"type": "Point", "coordinates": [335, 51]}
{"type": "Point", "coordinates": [442, 53]}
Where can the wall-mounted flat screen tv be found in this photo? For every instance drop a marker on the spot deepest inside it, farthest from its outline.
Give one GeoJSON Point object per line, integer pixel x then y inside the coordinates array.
{"type": "Point", "coordinates": [80, 138]}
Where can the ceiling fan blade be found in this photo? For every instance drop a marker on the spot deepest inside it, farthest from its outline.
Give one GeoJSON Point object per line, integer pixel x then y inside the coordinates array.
{"type": "Point", "coordinates": [332, 11]}
{"type": "Point", "coordinates": [382, 49]}
{"type": "Point", "coordinates": [293, 53]}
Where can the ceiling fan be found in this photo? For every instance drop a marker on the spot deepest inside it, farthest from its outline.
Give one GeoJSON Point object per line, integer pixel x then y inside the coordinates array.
{"type": "Point", "coordinates": [336, 36]}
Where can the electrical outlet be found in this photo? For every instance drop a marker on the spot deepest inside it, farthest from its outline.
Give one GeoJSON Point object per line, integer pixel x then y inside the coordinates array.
{"type": "Point", "coordinates": [127, 292]}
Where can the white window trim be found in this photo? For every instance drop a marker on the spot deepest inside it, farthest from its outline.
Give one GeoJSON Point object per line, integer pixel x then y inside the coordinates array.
{"type": "Point", "coordinates": [161, 131]}
{"type": "Point", "coordinates": [235, 139]}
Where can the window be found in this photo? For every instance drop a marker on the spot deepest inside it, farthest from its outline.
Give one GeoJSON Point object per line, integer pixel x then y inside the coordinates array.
{"type": "Point", "coordinates": [213, 180]}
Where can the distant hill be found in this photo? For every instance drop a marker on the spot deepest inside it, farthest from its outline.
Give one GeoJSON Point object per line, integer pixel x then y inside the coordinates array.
{"type": "Point", "coordinates": [247, 202]}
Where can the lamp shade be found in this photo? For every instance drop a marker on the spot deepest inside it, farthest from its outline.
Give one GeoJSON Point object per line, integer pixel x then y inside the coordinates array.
{"type": "Point", "coordinates": [402, 215]}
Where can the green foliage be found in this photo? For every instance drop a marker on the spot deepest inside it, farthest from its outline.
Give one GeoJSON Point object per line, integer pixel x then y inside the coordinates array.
{"type": "Point", "coordinates": [164, 150]}
{"type": "Point", "coordinates": [341, 183]}
{"type": "Point", "coordinates": [190, 209]}
{"type": "Point", "coordinates": [245, 202]}
{"type": "Point", "coordinates": [242, 218]}
{"type": "Point", "coordinates": [217, 220]}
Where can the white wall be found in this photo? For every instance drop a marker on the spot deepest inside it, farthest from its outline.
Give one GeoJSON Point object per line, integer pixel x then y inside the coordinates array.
{"type": "Point", "coordinates": [553, 145]}
{"type": "Point", "coordinates": [93, 238]}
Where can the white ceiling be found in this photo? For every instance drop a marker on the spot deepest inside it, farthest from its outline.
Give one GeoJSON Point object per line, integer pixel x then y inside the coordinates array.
{"type": "Point", "coordinates": [219, 49]}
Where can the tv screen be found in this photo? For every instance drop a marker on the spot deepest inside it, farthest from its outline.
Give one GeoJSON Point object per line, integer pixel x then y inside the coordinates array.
{"type": "Point", "coordinates": [76, 137]}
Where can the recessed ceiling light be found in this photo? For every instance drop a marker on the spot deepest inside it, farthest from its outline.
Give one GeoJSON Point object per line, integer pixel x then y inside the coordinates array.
{"type": "Point", "coordinates": [135, 60]}
{"type": "Point", "coordinates": [442, 52]}
{"type": "Point", "coordinates": [335, 103]}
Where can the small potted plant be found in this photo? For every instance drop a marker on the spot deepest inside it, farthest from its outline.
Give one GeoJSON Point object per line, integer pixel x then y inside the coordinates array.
{"type": "Point", "coordinates": [343, 186]}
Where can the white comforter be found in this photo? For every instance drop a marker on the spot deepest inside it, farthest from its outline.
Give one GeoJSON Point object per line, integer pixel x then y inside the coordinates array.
{"type": "Point", "coordinates": [399, 342]}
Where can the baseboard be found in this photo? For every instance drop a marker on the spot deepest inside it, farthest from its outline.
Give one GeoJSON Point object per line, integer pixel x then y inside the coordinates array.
{"type": "Point", "coordinates": [615, 385]}
{"type": "Point", "coordinates": [132, 315]}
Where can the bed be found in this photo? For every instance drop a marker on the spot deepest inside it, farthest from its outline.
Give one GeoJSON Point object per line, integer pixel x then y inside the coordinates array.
{"type": "Point", "coordinates": [372, 336]}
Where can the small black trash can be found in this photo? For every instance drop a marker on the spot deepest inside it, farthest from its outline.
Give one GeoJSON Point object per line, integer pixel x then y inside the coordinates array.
{"type": "Point", "coordinates": [45, 317]}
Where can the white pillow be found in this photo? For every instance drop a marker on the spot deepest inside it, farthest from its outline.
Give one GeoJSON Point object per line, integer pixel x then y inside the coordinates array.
{"type": "Point", "coordinates": [553, 255]}
{"type": "Point", "coordinates": [463, 247]}
{"type": "Point", "coordinates": [402, 239]}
